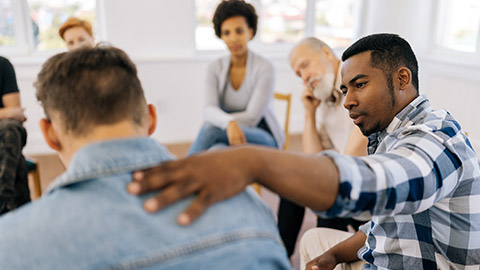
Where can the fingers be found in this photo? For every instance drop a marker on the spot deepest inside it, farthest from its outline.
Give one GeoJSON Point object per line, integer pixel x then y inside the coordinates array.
{"type": "Point", "coordinates": [236, 138]}
{"type": "Point", "coordinates": [171, 194]}
{"type": "Point", "coordinates": [196, 209]}
{"type": "Point", "coordinates": [154, 178]}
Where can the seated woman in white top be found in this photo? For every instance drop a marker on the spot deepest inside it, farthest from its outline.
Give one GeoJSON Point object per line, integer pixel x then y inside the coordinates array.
{"type": "Point", "coordinates": [239, 87]}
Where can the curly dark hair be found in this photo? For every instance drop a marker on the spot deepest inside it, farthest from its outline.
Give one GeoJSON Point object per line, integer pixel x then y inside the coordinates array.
{"type": "Point", "coordinates": [231, 8]}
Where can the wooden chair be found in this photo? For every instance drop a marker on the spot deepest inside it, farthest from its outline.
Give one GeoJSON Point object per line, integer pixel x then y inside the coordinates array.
{"type": "Point", "coordinates": [288, 99]}
{"type": "Point", "coordinates": [35, 173]}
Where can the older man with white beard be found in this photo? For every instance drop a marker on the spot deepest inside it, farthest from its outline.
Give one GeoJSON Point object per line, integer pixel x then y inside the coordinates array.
{"type": "Point", "coordinates": [327, 126]}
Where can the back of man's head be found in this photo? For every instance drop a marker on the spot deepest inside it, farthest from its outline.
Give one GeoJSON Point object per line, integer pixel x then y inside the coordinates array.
{"type": "Point", "coordinates": [389, 52]}
{"type": "Point", "coordinates": [91, 87]}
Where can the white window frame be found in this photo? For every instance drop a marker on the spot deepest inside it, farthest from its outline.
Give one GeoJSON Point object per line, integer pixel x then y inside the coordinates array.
{"type": "Point", "coordinates": [449, 55]}
{"type": "Point", "coordinates": [21, 37]}
{"type": "Point", "coordinates": [24, 43]}
{"type": "Point", "coordinates": [279, 50]}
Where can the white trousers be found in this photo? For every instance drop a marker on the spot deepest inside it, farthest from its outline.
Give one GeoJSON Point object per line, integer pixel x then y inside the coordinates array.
{"type": "Point", "coordinates": [316, 241]}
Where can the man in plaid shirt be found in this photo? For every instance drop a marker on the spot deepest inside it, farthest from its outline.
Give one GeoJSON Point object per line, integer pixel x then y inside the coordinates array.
{"type": "Point", "coordinates": [420, 185]}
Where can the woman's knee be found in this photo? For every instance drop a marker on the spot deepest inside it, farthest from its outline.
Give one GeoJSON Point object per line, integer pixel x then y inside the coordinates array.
{"type": "Point", "coordinates": [208, 128]}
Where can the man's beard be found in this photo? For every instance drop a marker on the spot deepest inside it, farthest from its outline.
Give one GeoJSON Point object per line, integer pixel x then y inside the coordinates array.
{"type": "Point", "coordinates": [324, 89]}
{"type": "Point", "coordinates": [368, 132]}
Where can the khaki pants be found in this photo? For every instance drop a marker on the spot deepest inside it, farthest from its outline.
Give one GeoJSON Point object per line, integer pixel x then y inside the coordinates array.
{"type": "Point", "coordinates": [316, 241]}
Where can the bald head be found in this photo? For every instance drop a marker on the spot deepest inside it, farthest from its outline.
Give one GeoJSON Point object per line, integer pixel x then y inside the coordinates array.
{"type": "Point", "coordinates": [311, 59]}
{"type": "Point", "coordinates": [311, 43]}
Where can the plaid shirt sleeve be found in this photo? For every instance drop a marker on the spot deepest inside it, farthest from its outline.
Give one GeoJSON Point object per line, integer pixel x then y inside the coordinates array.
{"type": "Point", "coordinates": [422, 189]}
{"type": "Point", "coordinates": [417, 171]}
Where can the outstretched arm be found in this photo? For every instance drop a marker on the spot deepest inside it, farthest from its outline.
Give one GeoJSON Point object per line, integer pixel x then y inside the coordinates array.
{"type": "Point", "coordinates": [214, 176]}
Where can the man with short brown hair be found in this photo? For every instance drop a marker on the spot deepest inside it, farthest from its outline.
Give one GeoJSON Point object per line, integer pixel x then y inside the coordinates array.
{"type": "Point", "coordinates": [98, 120]}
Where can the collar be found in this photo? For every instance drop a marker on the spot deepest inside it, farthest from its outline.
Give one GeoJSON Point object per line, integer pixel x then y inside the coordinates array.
{"type": "Point", "coordinates": [406, 117]}
{"type": "Point", "coordinates": [111, 157]}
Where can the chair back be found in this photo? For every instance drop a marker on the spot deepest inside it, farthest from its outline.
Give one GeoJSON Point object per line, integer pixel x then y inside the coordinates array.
{"type": "Point", "coordinates": [288, 99]}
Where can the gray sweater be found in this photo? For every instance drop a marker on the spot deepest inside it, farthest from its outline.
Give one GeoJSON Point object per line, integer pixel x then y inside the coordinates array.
{"type": "Point", "coordinates": [258, 86]}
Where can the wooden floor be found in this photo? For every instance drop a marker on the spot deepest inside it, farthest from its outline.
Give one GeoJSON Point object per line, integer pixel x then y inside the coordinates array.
{"type": "Point", "coordinates": [50, 167]}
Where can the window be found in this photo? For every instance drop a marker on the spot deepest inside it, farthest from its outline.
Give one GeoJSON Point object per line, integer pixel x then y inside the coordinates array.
{"type": "Point", "coordinates": [334, 22]}
{"type": "Point", "coordinates": [458, 25]}
{"type": "Point", "coordinates": [282, 21]}
{"type": "Point", "coordinates": [47, 17]}
{"type": "Point", "coordinates": [205, 38]}
{"type": "Point", "coordinates": [7, 27]}
{"type": "Point", "coordinates": [32, 25]}
{"type": "Point", "coordinates": [287, 22]}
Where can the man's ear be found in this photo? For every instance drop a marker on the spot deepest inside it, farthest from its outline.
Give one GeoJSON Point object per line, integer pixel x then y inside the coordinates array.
{"type": "Point", "coordinates": [50, 135]}
{"type": "Point", "coordinates": [152, 119]}
{"type": "Point", "coordinates": [404, 77]}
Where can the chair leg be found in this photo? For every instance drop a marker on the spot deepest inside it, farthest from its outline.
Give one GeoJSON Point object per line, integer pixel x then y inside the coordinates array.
{"type": "Point", "coordinates": [36, 183]}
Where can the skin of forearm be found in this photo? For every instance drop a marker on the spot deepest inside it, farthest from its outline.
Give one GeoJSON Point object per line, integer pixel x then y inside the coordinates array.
{"type": "Point", "coordinates": [346, 251]}
{"type": "Point", "coordinates": [3, 113]}
{"type": "Point", "coordinates": [308, 180]}
{"type": "Point", "coordinates": [310, 139]}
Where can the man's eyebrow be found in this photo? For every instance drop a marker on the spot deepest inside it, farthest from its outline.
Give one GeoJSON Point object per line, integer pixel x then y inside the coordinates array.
{"type": "Point", "coordinates": [359, 76]}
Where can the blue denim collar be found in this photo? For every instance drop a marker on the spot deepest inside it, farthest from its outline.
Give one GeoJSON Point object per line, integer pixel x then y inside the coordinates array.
{"type": "Point", "coordinates": [110, 157]}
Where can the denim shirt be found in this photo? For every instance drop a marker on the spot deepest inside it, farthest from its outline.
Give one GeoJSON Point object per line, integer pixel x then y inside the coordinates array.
{"type": "Point", "coordinates": [87, 220]}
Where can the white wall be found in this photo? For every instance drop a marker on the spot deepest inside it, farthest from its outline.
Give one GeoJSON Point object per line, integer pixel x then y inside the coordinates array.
{"type": "Point", "coordinates": [159, 36]}
{"type": "Point", "coordinates": [449, 80]}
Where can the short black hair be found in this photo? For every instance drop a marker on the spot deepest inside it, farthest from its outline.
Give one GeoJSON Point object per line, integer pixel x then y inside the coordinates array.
{"type": "Point", "coordinates": [231, 8]}
{"type": "Point", "coordinates": [389, 52]}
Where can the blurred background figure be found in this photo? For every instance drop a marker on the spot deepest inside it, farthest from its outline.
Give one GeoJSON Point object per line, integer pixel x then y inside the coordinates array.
{"type": "Point", "coordinates": [327, 127]}
{"type": "Point", "coordinates": [239, 87]}
{"type": "Point", "coordinates": [77, 33]}
{"type": "Point", "coordinates": [13, 169]}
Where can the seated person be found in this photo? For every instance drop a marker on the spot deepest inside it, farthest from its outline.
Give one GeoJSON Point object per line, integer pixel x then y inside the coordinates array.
{"type": "Point", "coordinates": [239, 87]}
{"type": "Point", "coordinates": [420, 183]}
{"type": "Point", "coordinates": [327, 127]}
{"type": "Point", "coordinates": [77, 33]}
{"type": "Point", "coordinates": [98, 121]}
{"type": "Point", "coordinates": [14, 189]}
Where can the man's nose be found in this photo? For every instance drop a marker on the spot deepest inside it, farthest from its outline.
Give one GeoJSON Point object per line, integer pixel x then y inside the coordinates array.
{"type": "Point", "coordinates": [350, 101]}
{"type": "Point", "coordinates": [305, 77]}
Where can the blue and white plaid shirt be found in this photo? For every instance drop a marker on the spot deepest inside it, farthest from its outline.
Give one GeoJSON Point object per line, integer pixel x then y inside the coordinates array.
{"type": "Point", "coordinates": [421, 187]}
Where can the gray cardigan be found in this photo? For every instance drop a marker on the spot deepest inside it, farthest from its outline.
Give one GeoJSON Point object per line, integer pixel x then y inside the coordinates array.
{"type": "Point", "coordinates": [259, 81]}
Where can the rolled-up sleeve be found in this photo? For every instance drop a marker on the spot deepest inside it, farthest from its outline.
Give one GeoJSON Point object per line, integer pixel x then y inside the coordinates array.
{"type": "Point", "coordinates": [419, 170]}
